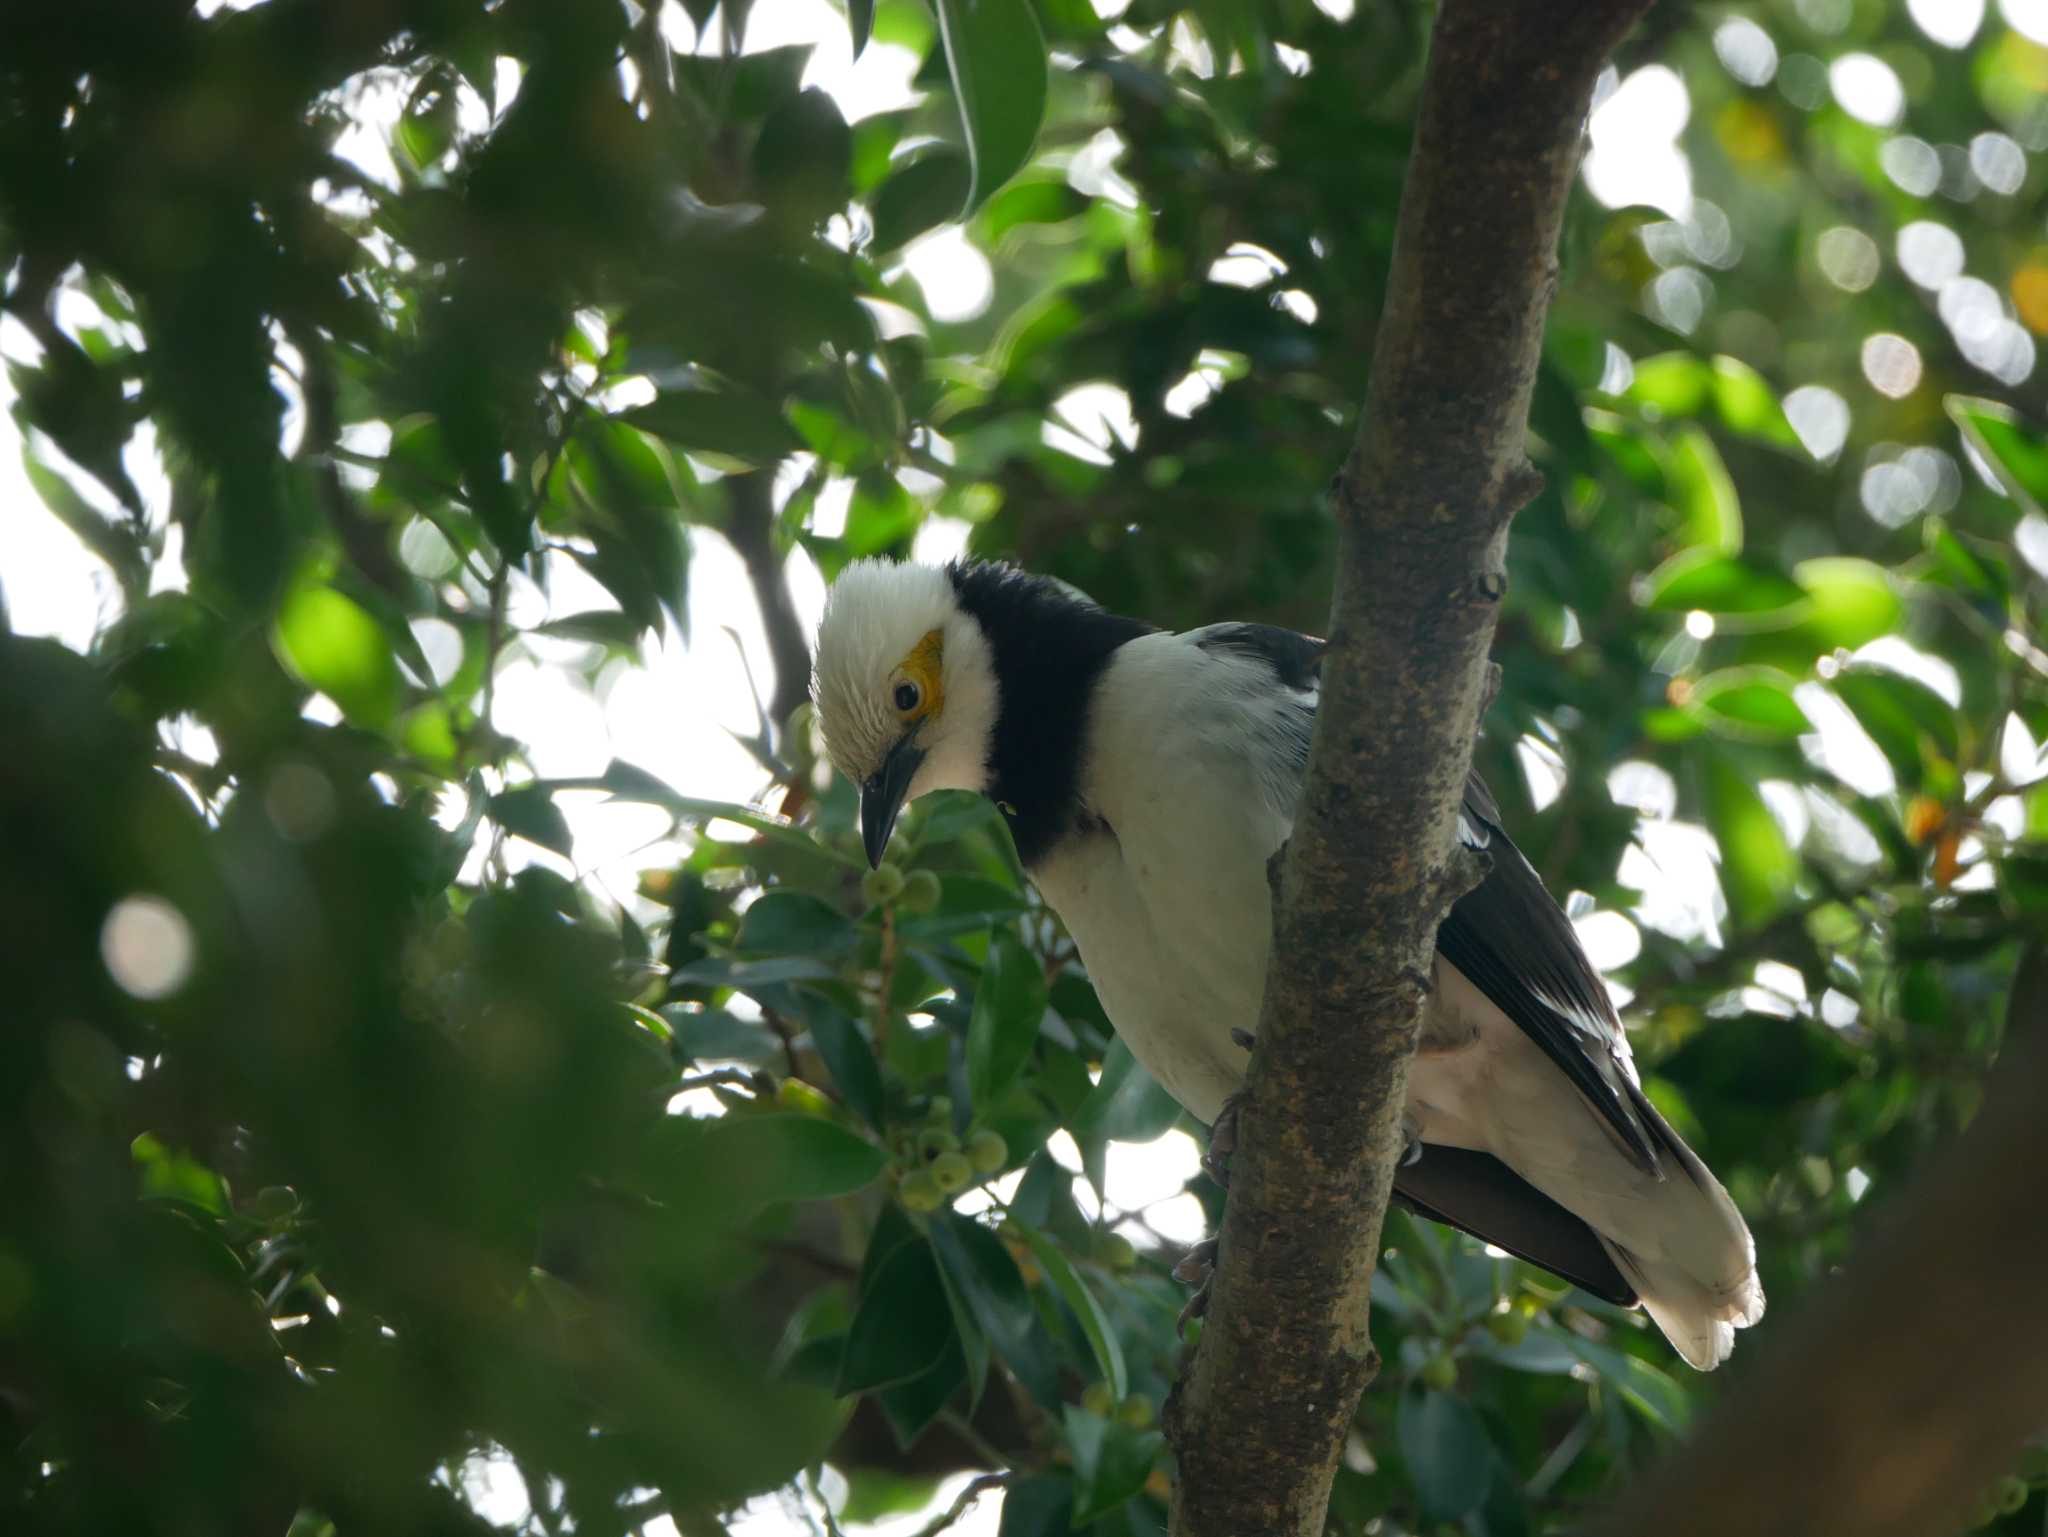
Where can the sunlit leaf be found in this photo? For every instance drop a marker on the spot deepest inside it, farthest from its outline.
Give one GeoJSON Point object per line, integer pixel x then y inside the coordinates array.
{"type": "Point", "coordinates": [1719, 584]}
{"type": "Point", "coordinates": [1675, 383]}
{"type": "Point", "coordinates": [332, 645]}
{"type": "Point", "coordinates": [1704, 494]}
{"type": "Point", "coordinates": [1752, 702]}
{"type": "Point", "coordinates": [1853, 600]}
{"type": "Point", "coordinates": [1747, 404]}
{"type": "Point", "coordinates": [2015, 450]}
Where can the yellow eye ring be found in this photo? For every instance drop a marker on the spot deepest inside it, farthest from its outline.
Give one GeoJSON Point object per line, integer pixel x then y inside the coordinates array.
{"type": "Point", "coordinates": [917, 686]}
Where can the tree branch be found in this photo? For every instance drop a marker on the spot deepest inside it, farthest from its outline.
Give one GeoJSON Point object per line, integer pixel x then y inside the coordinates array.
{"type": "Point", "coordinates": [1259, 1418]}
{"type": "Point", "coordinates": [751, 528]}
{"type": "Point", "coordinates": [1906, 1386]}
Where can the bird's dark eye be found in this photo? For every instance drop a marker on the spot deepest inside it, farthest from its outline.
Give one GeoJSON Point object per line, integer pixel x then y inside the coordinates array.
{"type": "Point", "coordinates": [906, 697]}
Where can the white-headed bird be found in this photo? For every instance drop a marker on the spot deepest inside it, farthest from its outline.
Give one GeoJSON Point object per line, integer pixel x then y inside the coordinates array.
{"type": "Point", "coordinates": [1146, 778]}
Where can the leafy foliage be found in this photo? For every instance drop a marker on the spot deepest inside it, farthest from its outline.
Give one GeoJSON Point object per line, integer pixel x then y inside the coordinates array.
{"type": "Point", "coordinates": [336, 1106]}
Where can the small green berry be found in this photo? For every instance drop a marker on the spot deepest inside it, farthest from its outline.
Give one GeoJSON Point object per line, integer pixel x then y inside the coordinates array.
{"type": "Point", "coordinates": [920, 892]}
{"type": "Point", "coordinates": [882, 885]}
{"type": "Point", "coordinates": [920, 1191]}
{"type": "Point", "coordinates": [939, 1111]}
{"type": "Point", "coordinates": [1096, 1398]}
{"type": "Point", "coordinates": [1136, 1412]}
{"type": "Point", "coordinates": [1441, 1372]}
{"type": "Point", "coordinates": [987, 1151]}
{"type": "Point", "coordinates": [1117, 1251]}
{"type": "Point", "coordinates": [1509, 1327]}
{"type": "Point", "coordinates": [934, 1140]}
{"type": "Point", "coordinates": [952, 1171]}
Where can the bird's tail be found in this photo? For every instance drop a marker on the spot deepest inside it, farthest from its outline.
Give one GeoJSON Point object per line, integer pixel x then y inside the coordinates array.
{"type": "Point", "coordinates": [1689, 1255]}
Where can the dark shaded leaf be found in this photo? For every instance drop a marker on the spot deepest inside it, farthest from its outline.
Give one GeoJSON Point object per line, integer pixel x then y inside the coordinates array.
{"type": "Point", "coordinates": [1009, 1004]}
{"type": "Point", "coordinates": [1448, 1453]}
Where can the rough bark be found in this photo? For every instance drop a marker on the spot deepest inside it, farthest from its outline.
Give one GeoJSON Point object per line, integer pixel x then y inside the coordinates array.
{"type": "Point", "coordinates": [1909, 1383]}
{"type": "Point", "coordinates": [1258, 1421]}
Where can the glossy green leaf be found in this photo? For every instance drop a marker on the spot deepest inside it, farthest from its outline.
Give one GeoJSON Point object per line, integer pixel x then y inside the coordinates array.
{"type": "Point", "coordinates": [904, 1327]}
{"type": "Point", "coordinates": [1654, 1394]}
{"type": "Point", "coordinates": [1673, 383]}
{"type": "Point", "coordinates": [1751, 702]}
{"type": "Point", "coordinates": [1102, 1339]}
{"type": "Point", "coordinates": [1758, 867]}
{"type": "Point", "coordinates": [1706, 579]}
{"type": "Point", "coordinates": [1710, 513]}
{"type": "Point", "coordinates": [988, 1283]}
{"type": "Point", "coordinates": [1448, 1453]}
{"type": "Point", "coordinates": [1111, 1461]}
{"type": "Point", "coordinates": [334, 646]}
{"type": "Point", "coordinates": [1746, 404]}
{"type": "Point", "coordinates": [795, 922]}
{"type": "Point", "coordinates": [1009, 1004]}
{"type": "Point", "coordinates": [1902, 715]}
{"type": "Point", "coordinates": [1852, 600]}
{"type": "Point", "coordinates": [996, 55]}
{"type": "Point", "coordinates": [2015, 449]}
{"type": "Point", "coordinates": [851, 1062]}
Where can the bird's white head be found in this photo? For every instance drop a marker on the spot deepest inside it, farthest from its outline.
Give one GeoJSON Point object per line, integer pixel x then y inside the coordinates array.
{"type": "Point", "coordinates": [905, 687]}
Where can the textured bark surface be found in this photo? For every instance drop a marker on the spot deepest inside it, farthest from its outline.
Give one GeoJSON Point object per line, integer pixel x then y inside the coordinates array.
{"type": "Point", "coordinates": [1907, 1386]}
{"type": "Point", "coordinates": [1258, 1421]}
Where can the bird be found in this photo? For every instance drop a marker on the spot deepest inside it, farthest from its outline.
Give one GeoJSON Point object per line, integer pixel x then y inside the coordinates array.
{"type": "Point", "coordinates": [1147, 776]}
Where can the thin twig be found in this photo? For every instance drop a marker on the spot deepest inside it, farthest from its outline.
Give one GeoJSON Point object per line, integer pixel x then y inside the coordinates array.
{"type": "Point", "coordinates": [966, 1497]}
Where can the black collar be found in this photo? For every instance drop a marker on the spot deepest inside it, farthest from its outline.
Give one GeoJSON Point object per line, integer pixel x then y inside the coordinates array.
{"type": "Point", "coordinates": [1049, 649]}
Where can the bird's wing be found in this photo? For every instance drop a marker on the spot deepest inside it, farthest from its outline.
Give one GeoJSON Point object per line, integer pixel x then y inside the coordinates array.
{"type": "Point", "coordinates": [1514, 943]}
{"type": "Point", "coordinates": [1508, 937]}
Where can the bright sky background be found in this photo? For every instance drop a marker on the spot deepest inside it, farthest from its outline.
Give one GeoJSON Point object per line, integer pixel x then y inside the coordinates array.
{"type": "Point", "coordinates": [656, 716]}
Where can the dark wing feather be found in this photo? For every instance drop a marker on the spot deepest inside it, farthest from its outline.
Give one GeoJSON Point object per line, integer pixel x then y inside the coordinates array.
{"type": "Point", "coordinates": [1484, 1197]}
{"type": "Point", "coordinates": [1517, 947]}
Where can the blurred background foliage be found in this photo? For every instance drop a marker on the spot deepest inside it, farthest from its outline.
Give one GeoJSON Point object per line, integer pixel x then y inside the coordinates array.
{"type": "Point", "coordinates": [366, 1160]}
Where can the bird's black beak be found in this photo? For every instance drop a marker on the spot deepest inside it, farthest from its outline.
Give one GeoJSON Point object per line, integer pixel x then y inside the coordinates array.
{"type": "Point", "coordinates": [881, 797]}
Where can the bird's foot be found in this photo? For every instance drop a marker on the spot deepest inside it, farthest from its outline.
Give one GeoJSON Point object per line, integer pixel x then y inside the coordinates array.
{"type": "Point", "coordinates": [1222, 1141]}
{"type": "Point", "coordinates": [1197, 1268]}
{"type": "Point", "coordinates": [1411, 1145]}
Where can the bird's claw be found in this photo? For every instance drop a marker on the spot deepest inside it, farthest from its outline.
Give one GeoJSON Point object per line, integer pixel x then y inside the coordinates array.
{"type": "Point", "coordinates": [1222, 1141]}
{"type": "Point", "coordinates": [1197, 1268]}
{"type": "Point", "coordinates": [1411, 1148]}
{"type": "Point", "coordinates": [1242, 1038]}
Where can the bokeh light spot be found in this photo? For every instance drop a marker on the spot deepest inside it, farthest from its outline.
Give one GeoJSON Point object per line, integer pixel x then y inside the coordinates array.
{"type": "Point", "coordinates": [147, 947]}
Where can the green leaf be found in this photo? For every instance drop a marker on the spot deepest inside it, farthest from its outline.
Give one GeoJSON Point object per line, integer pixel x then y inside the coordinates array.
{"type": "Point", "coordinates": [1704, 493]}
{"type": "Point", "coordinates": [996, 55]}
{"type": "Point", "coordinates": [1706, 579]}
{"type": "Point", "coordinates": [1009, 1005]}
{"type": "Point", "coordinates": [1449, 1457]}
{"type": "Point", "coordinates": [860, 21]}
{"type": "Point", "coordinates": [792, 1157]}
{"type": "Point", "coordinates": [1903, 716]}
{"type": "Point", "coordinates": [1126, 1104]}
{"type": "Point", "coordinates": [333, 645]}
{"type": "Point", "coordinates": [1038, 1506]}
{"type": "Point", "coordinates": [731, 423]}
{"type": "Point", "coordinates": [988, 1282]}
{"type": "Point", "coordinates": [1102, 1340]}
{"type": "Point", "coordinates": [2016, 451]}
{"type": "Point", "coordinates": [919, 195]}
{"type": "Point", "coordinates": [1652, 1392]}
{"type": "Point", "coordinates": [1758, 866]}
{"type": "Point", "coordinates": [1748, 405]}
{"type": "Point", "coordinates": [530, 812]}
{"type": "Point", "coordinates": [598, 626]}
{"type": "Point", "coordinates": [714, 1035]}
{"type": "Point", "coordinates": [795, 923]}
{"type": "Point", "coordinates": [1111, 1461]}
{"type": "Point", "coordinates": [1852, 600]}
{"type": "Point", "coordinates": [1674, 383]}
{"type": "Point", "coordinates": [1754, 703]}
{"type": "Point", "coordinates": [851, 1061]}
{"type": "Point", "coordinates": [904, 1326]}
